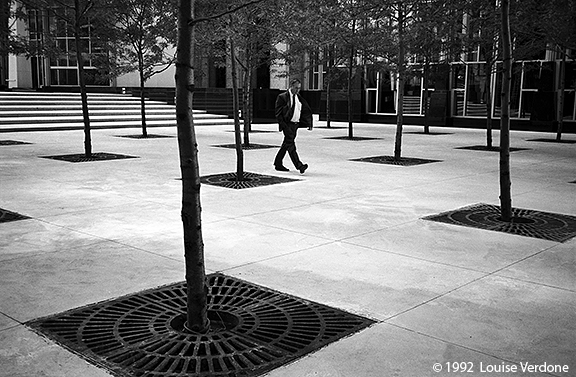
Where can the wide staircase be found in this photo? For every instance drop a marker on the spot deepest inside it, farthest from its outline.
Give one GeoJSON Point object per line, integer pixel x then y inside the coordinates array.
{"type": "Point", "coordinates": [36, 111]}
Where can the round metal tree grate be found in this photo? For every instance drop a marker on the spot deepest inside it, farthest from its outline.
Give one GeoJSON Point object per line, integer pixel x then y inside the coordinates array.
{"type": "Point", "coordinates": [490, 149]}
{"type": "Point", "coordinates": [253, 330]}
{"type": "Point", "coordinates": [12, 142]}
{"type": "Point", "coordinates": [561, 141]}
{"type": "Point", "coordinates": [249, 180]}
{"type": "Point", "coordinates": [390, 160]}
{"type": "Point", "coordinates": [353, 138]}
{"type": "Point", "coordinates": [251, 146]}
{"type": "Point", "coordinates": [6, 216]}
{"type": "Point", "coordinates": [431, 133]}
{"type": "Point", "coordinates": [81, 157]}
{"type": "Point", "coordinates": [529, 223]}
{"type": "Point", "coordinates": [148, 136]}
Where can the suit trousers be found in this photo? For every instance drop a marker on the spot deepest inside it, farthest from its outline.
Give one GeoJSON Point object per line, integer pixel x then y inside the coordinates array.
{"type": "Point", "coordinates": [289, 145]}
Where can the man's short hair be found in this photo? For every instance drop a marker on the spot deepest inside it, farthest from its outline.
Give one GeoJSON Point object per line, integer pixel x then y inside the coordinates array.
{"type": "Point", "coordinates": [294, 81]}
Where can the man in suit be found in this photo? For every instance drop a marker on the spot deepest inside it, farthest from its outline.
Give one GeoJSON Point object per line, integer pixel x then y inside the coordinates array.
{"type": "Point", "coordinates": [292, 112]}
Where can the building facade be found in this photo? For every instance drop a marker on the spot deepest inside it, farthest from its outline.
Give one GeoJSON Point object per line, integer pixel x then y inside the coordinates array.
{"type": "Point", "coordinates": [458, 94]}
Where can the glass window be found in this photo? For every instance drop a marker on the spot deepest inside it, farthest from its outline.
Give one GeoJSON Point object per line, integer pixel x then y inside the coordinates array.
{"type": "Point", "coordinates": [458, 103]}
{"type": "Point", "coordinates": [458, 76]}
{"type": "Point", "coordinates": [386, 94]}
{"type": "Point", "coordinates": [371, 101]}
{"type": "Point", "coordinates": [476, 90]}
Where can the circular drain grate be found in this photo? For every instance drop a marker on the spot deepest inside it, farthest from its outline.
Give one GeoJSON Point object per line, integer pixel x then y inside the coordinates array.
{"type": "Point", "coordinates": [544, 225]}
{"type": "Point", "coordinates": [254, 330]}
{"type": "Point", "coordinates": [229, 180]}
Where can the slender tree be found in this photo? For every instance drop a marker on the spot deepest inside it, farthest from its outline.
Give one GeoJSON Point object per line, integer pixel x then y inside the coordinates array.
{"type": "Point", "coordinates": [197, 312]}
{"type": "Point", "coordinates": [77, 17]}
{"type": "Point", "coordinates": [505, 183]}
{"type": "Point", "coordinates": [400, 83]}
{"type": "Point", "coordinates": [236, 108]}
{"type": "Point", "coordinates": [144, 42]}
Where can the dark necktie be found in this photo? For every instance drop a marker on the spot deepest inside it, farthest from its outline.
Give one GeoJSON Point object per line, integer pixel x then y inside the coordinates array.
{"type": "Point", "coordinates": [293, 106]}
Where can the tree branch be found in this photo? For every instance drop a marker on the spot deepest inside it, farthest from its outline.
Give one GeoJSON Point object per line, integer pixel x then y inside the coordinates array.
{"type": "Point", "coordinates": [229, 11]}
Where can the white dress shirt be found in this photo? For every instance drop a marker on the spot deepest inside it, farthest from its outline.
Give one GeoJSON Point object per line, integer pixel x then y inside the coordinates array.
{"type": "Point", "coordinates": [297, 108]}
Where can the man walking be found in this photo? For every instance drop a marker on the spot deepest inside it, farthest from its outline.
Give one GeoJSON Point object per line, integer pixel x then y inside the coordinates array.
{"type": "Point", "coordinates": [292, 112]}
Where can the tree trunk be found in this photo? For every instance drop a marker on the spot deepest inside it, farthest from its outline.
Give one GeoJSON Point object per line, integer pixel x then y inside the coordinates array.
{"type": "Point", "coordinates": [247, 103]}
{"type": "Point", "coordinates": [4, 32]}
{"type": "Point", "coordinates": [142, 94]}
{"type": "Point", "coordinates": [400, 83]}
{"type": "Point", "coordinates": [505, 183]}
{"type": "Point", "coordinates": [197, 316]}
{"type": "Point", "coordinates": [488, 90]}
{"type": "Point", "coordinates": [561, 95]}
{"type": "Point", "coordinates": [235, 107]}
{"type": "Point", "coordinates": [82, 81]}
{"type": "Point", "coordinates": [350, 71]}
{"type": "Point", "coordinates": [426, 102]}
{"type": "Point", "coordinates": [328, 87]}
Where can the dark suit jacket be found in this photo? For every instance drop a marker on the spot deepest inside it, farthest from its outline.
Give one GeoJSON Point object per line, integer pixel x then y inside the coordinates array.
{"type": "Point", "coordinates": [284, 114]}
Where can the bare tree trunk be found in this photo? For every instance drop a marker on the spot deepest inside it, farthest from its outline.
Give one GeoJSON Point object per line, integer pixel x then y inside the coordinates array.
{"type": "Point", "coordinates": [4, 31]}
{"type": "Point", "coordinates": [82, 80]}
{"type": "Point", "coordinates": [488, 90]}
{"type": "Point", "coordinates": [235, 106]}
{"type": "Point", "coordinates": [197, 316]}
{"type": "Point", "coordinates": [328, 88]}
{"type": "Point", "coordinates": [505, 183]}
{"type": "Point", "coordinates": [400, 91]}
{"type": "Point", "coordinates": [247, 104]}
{"type": "Point", "coordinates": [426, 102]}
{"type": "Point", "coordinates": [561, 95]}
{"type": "Point", "coordinates": [142, 94]}
{"type": "Point", "coordinates": [350, 72]}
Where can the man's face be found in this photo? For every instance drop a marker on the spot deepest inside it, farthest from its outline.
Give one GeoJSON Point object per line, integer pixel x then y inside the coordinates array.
{"type": "Point", "coordinates": [295, 88]}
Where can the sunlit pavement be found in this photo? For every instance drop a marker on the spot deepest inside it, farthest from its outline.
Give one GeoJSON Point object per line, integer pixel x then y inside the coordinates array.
{"type": "Point", "coordinates": [346, 234]}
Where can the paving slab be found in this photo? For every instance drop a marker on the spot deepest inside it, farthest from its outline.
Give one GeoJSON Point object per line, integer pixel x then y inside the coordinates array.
{"type": "Point", "coordinates": [346, 234]}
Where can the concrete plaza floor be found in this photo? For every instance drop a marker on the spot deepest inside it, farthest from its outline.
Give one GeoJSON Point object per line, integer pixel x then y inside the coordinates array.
{"type": "Point", "coordinates": [347, 234]}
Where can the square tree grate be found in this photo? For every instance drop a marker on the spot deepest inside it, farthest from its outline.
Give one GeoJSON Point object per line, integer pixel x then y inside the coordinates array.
{"type": "Point", "coordinates": [353, 138]}
{"type": "Point", "coordinates": [255, 131]}
{"type": "Point", "coordinates": [12, 142]}
{"type": "Point", "coordinates": [247, 147]}
{"type": "Point", "coordinates": [6, 216]}
{"type": "Point", "coordinates": [528, 223]}
{"type": "Point", "coordinates": [561, 141]}
{"type": "Point", "coordinates": [490, 149]}
{"type": "Point", "coordinates": [253, 330]}
{"type": "Point", "coordinates": [403, 161]}
{"type": "Point", "coordinates": [81, 157]}
{"type": "Point", "coordinates": [431, 133]}
{"type": "Point", "coordinates": [148, 136]}
{"type": "Point", "coordinates": [250, 180]}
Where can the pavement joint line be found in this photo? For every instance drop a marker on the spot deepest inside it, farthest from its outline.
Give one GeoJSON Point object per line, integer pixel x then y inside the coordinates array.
{"type": "Point", "coordinates": [485, 275]}
{"type": "Point", "coordinates": [274, 257]}
{"type": "Point", "coordinates": [415, 258]}
{"type": "Point", "coordinates": [452, 343]}
{"type": "Point", "coordinates": [438, 296]}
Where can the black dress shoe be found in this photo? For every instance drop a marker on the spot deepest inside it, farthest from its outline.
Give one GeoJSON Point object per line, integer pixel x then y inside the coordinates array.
{"type": "Point", "coordinates": [281, 168]}
{"type": "Point", "coordinates": [303, 168]}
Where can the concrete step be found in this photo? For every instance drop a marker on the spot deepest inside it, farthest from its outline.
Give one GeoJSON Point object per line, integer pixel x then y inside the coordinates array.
{"type": "Point", "coordinates": [22, 111]}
